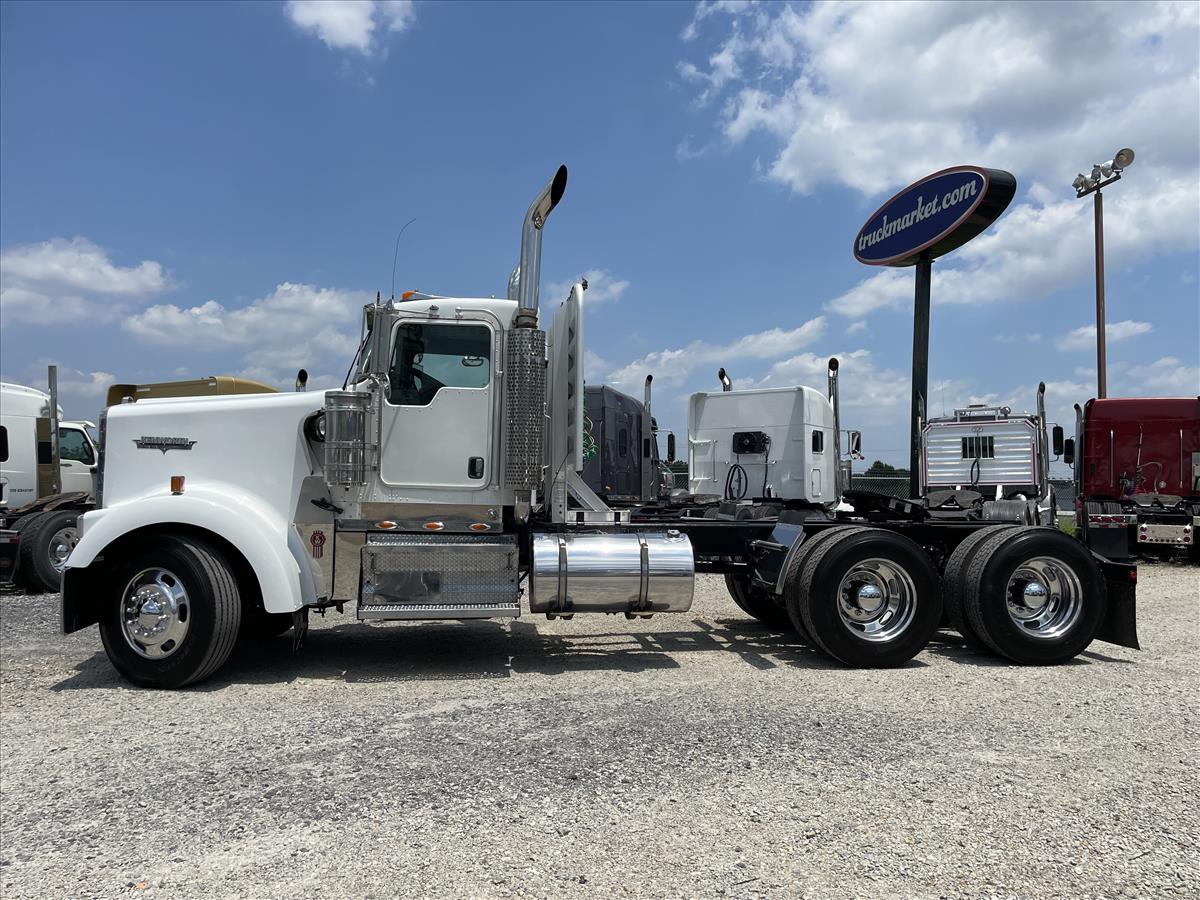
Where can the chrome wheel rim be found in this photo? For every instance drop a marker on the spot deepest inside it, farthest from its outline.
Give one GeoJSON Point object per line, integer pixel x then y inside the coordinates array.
{"type": "Point", "coordinates": [1044, 598]}
{"type": "Point", "coordinates": [877, 600]}
{"type": "Point", "coordinates": [154, 613]}
{"type": "Point", "coordinates": [62, 542]}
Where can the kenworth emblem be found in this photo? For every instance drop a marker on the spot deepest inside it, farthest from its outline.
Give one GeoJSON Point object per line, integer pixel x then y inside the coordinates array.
{"type": "Point", "coordinates": [317, 541]}
{"type": "Point", "coordinates": [163, 443]}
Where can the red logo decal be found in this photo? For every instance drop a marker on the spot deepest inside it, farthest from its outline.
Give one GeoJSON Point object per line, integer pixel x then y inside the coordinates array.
{"type": "Point", "coordinates": [317, 541]}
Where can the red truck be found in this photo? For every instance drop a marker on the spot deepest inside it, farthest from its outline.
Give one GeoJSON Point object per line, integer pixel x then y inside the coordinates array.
{"type": "Point", "coordinates": [1137, 475]}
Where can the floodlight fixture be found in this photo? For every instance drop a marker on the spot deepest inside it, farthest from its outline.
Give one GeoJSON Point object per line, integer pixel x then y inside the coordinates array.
{"type": "Point", "coordinates": [1123, 159]}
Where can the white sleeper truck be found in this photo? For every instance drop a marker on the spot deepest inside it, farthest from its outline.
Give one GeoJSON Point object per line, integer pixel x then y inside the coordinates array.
{"type": "Point", "coordinates": [444, 482]}
{"type": "Point", "coordinates": [47, 479]}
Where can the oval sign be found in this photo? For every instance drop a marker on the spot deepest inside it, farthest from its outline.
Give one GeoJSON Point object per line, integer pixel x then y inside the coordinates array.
{"type": "Point", "coordinates": [935, 215]}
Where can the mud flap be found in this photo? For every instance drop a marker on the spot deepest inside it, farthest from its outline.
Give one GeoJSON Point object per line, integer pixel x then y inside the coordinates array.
{"type": "Point", "coordinates": [299, 628]}
{"type": "Point", "coordinates": [79, 605]}
{"type": "Point", "coordinates": [1120, 621]}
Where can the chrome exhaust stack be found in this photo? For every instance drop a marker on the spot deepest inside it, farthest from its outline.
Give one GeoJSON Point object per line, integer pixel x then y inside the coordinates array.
{"type": "Point", "coordinates": [523, 283]}
{"type": "Point", "coordinates": [837, 426]}
{"type": "Point", "coordinates": [1044, 462]}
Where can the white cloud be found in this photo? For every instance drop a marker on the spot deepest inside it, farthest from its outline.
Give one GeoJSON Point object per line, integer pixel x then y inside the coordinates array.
{"type": "Point", "coordinates": [1031, 338]}
{"type": "Point", "coordinates": [859, 327]}
{"type": "Point", "coordinates": [1164, 377]}
{"type": "Point", "coordinates": [872, 95]}
{"type": "Point", "coordinates": [706, 8]}
{"type": "Point", "coordinates": [1084, 337]}
{"type": "Point", "coordinates": [675, 365]}
{"type": "Point", "coordinates": [296, 325]}
{"type": "Point", "coordinates": [351, 24]}
{"type": "Point", "coordinates": [70, 281]}
{"type": "Point", "coordinates": [603, 287]}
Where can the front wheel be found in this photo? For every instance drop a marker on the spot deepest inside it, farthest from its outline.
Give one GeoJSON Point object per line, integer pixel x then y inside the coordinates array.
{"type": "Point", "coordinates": [172, 613]}
{"type": "Point", "coordinates": [868, 597]}
{"type": "Point", "coordinates": [46, 542]}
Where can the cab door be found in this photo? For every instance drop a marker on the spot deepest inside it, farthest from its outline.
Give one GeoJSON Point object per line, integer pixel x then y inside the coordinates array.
{"type": "Point", "coordinates": [437, 417]}
{"type": "Point", "coordinates": [77, 460]}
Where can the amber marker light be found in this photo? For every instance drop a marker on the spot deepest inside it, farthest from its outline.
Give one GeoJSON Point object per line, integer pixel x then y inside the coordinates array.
{"type": "Point", "coordinates": [177, 484]}
{"type": "Point", "coordinates": [434, 526]}
{"type": "Point", "coordinates": [385, 525]}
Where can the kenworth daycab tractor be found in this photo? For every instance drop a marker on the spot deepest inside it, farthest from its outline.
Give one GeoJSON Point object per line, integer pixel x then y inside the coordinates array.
{"type": "Point", "coordinates": [444, 483]}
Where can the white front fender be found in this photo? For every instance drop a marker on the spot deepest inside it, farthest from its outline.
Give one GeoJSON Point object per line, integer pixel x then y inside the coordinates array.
{"type": "Point", "coordinates": [269, 542]}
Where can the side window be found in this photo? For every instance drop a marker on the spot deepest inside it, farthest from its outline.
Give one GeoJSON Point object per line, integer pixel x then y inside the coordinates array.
{"type": "Point", "coordinates": [73, 445]}
{"type": "Point", "coordinates": [3, 443]}
{"type": "Point", "coordinates": [429, 357]}
{"type": "Point", "coordinates": [623, 442]}
{"type": "Point", "coordinates": [818, 442]}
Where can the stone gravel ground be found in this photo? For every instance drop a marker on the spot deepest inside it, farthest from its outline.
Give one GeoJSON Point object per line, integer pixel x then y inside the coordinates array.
{"type": "Point", "coordinates": [694, 755]}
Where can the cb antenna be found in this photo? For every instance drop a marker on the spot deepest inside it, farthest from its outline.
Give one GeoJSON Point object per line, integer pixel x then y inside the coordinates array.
{"type": "Point", "coordinates": [396, 255]}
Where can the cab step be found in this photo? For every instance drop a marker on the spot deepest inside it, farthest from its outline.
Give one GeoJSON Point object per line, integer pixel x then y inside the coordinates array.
{"type": "Point", "coordinates": [439, 576]}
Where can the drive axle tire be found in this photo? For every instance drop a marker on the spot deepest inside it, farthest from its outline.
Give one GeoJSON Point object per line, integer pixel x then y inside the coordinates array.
{"type": "Point", "coordinates": [1034, 595]}
{"type": "Point", "coordinates": [172, 613]}
{"type": "Point", "coordinates": [954, 583]}
{"type": "Point", "coordinates": [46, 542]}
{"type": "Point", "coordinates": [868, 597]}
{"type": "Point", "coordinates": [757, 603]}
{"type": "Point", "coordinates": [791, 580]}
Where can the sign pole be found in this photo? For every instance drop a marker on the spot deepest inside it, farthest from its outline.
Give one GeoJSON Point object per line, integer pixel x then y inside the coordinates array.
{"type": "Point", "coordinates": [1101, 362]}
{"type": "Point", "coordinates": [920, 371]}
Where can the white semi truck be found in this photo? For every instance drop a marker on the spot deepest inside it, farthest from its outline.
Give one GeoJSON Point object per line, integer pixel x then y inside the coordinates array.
{"type": "Point", "coordinates": [47, 479]}
{"type": "Point", "coordinates": [991, 460]}
{"type": "Point", "coordinates": [444, 482]}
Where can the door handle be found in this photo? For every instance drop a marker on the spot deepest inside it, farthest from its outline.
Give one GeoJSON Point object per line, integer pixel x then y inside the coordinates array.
{"type": "Point", "coordinates": [475, 467]}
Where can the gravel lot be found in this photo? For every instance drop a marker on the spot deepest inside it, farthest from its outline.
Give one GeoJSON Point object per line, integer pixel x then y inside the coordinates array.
{"type": "Point", "coordinates": [689, 755]}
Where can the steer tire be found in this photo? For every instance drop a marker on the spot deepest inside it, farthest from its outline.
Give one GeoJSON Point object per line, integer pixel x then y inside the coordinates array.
{"type": "Point", "coordinates": [260, 625]}
{"type": "Point", "coordinates": [212, 612]}
{"type": "Point", "coordinates": [817, 602]}
{"type": "Point", "coordinates": [36, 567]}
{"type": "Point", "coordinates": [1000, 569]}
{"type": "Point", "coordinates": [954, 584]}
{"type": "Point", "coordinates": [757, 602]}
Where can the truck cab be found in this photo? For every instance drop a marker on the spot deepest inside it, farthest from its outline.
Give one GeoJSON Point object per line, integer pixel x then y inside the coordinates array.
{"type": "Point", "coordinates": [1137, 475]}
{"type": "Point", "coordinates": [25, 449]}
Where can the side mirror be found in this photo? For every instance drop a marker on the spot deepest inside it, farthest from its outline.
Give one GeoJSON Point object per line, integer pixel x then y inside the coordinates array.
{"type": "Point", "coordinates": [302, 380]}
{"type": "Point", "coordinates": [670, 446]}
{"type": "Point", "coordinates": [1068, 451]}
{"type": "Point", "coordinates": [854, 443]}
{"type": "Point", "coordinates": [1057, 439]}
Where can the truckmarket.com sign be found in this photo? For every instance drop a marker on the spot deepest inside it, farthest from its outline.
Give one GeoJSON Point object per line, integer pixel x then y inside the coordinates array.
{"type": "Point", "coordinates": [934, 216]}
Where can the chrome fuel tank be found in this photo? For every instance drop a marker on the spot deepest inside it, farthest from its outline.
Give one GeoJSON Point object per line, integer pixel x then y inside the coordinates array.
{"type": "Point", "coordinates": [613, 573]}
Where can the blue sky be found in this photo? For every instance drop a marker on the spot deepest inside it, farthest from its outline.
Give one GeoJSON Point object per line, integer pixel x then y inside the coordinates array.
{"type": "Point", "coordinates": [192, 189]}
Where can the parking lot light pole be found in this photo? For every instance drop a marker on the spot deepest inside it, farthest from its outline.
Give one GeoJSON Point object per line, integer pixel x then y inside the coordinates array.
{"type": "Point", "coordinates": [1103, 174]}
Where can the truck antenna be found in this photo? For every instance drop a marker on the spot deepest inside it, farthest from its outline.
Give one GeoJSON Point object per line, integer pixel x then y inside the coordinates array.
{"type": "Point", "coordinates": [396, 255]}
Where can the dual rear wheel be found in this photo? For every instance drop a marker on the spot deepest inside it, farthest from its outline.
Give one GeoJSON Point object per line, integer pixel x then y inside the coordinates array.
{"type": "Point", "coordinates": [870, 597]}
{"type": "Point", "coordinates": [865, 596]}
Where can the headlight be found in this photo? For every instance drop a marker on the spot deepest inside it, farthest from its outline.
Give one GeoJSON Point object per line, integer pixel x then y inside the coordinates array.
{"type": "Point", "coordinates": [314, 427]}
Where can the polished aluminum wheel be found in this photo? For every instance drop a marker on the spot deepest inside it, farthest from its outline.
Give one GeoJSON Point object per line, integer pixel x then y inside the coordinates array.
{"type": "Point", "coordinates": [154, 613]}
{"type": "Point", "coordinates": [1044, 598]}
{"type": "Point", "coordinates": [877, 600]}
{"type": "Point", "coordinates": [62, 542]}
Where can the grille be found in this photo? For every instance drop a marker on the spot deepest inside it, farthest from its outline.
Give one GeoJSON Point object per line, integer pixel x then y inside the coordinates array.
{"type": "Point", "coordinates": [524, 407]}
